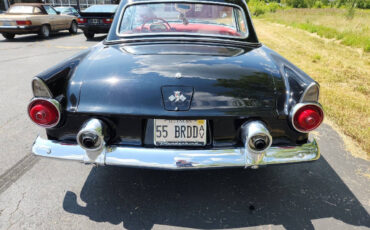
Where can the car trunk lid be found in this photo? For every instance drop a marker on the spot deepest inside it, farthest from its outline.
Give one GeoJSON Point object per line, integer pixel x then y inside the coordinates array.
{"type": "Point", "coordinates": [10, 19]}
{"type": "Point", "coordinates": [148, 80]}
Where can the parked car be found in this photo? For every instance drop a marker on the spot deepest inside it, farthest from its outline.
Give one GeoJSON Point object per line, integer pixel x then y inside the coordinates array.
{"type": "Point", "coordinates": [96, 19]}
{"type": "Point", "coordinates": [35, 18]}
{"type": "Point", "coordinates": [67, 10]}
{"type": "Point", "coordinates": [178, 85]}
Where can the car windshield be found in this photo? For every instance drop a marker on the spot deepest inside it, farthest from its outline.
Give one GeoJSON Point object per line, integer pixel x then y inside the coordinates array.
{"type": "Point", "coordinates": [21, 10]}
{"type": "Point", "coordinates": [101, 8]}
{"type": "Point", "coordinates": [184, 18]}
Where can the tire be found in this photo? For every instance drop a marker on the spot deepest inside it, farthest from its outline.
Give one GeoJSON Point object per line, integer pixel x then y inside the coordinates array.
{"type": "Point", "coordinates": [44, 31]}
{"type": "Point", "coordinates": [73, 29]}
{"type": "Point", "coordinates": [8, 36]}
{"type": "Point", "coordinates": [89, 35]}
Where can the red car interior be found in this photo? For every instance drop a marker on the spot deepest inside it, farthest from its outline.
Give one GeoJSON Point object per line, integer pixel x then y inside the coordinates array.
{"type": "Point", "coordinates": [190, 28]}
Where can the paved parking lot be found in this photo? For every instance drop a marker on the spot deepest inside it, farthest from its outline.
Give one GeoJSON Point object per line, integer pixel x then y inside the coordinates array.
{"type": "Point", "coordinates": [332, 193]}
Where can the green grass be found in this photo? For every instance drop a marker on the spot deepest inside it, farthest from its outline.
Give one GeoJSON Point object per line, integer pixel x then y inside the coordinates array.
{"type": "Point", "coordinates": [328, 23]}
{"type": "Point", "coordinates": [343, 74]}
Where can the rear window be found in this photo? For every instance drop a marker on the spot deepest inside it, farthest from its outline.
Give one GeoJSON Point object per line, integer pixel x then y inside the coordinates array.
{"type": "Point", "coordinates": [21, 9]}
{"type": "Point", "coordinates": [184, 18]}
{"type": "Point", "coordinates": [101, 9]}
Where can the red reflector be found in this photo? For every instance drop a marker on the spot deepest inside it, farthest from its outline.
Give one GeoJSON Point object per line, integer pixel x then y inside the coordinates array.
{"type": "Point", "coordinates": [24, 23]}
{"type": "Point", "coordinates": [81, 20]}
{"type": "Point", "coordinates": [107, 20]}
{"type": "Point", "coordinates": [308, 118]}
{"type": "Point", "coordinates": [43, 113]}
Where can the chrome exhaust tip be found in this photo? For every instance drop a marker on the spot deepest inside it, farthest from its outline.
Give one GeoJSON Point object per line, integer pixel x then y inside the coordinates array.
{"type": "Point", "coordinates": [256, 137]}
{"type": "Point", "coordinates": [90, 141]}
{"type": "Point", "coordinates": [91, 138]}
{"type": "Point", "coordinates": [259, 143]}
{"type": "Point", "coordinates": [257, 140]}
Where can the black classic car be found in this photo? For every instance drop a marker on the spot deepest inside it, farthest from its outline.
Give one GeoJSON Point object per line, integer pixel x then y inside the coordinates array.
{"type": "Point", "coordinates": [177, 85]}
{"type": "Point", "coordinates": [96, 19]}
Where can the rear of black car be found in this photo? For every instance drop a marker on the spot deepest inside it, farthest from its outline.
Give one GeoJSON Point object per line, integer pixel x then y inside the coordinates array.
{"type": "Point", "coordinates": [187, 100]}
{"type": "Point", "coordinates": [96, 19]}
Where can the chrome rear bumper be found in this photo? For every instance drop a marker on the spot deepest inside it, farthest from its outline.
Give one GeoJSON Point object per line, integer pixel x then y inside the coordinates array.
{"type": "Point", "coordinates": [177, 158]}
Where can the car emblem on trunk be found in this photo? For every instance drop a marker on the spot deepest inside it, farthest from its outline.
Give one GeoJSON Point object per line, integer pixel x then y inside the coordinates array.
{"type": "Point", "coordinates": [177, 96]}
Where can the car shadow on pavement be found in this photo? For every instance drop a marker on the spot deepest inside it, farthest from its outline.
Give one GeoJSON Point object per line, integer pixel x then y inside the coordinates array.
{"type": "Point", "coordinates": [35, 37]}
{"type": "Point", "coordinates": [291, 195]}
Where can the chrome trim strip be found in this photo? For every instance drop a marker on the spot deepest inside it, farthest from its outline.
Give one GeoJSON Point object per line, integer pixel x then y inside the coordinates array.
{"type": "Point", "coordinates": [123, 48]}
{"type": "Point", "coordinates": [166, 39]}
{"type": "Point", "coordinates": [313, 84]}
{"type": "Point", "coordinates": [13, 27]}
{"type": "Point", "coordinates": [54, 102]}
{"type": "Point", "coordinates": [43, 84]}
{"type": "Point", "coordinates": [297, 107]}
{"type": "Point", "coordinates": [175, 159]}
{"type": "Point", "coordinates": [179, 34]}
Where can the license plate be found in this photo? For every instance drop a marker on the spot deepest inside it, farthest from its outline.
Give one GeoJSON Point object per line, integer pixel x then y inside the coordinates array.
{"type": "Point", "coordinates": [180, 132]}
{"type": "Point", "coordinates": [95, 21]}
{"type": "Point", "coordinates": [6, 23]}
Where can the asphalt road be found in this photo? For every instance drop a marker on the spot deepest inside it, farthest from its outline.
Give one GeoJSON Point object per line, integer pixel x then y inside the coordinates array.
{"type": "Point", "coordinates": [331, 193]}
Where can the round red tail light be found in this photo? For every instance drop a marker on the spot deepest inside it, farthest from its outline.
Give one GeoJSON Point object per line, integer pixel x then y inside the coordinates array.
{"type": "Point", "coordinates": [44, 112]}
{"type": "Point", "coordinates": [307, 117]}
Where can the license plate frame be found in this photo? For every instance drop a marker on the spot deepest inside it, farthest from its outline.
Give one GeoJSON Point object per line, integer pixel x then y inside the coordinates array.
{"type": "Point", "coordinates": [180, 132]}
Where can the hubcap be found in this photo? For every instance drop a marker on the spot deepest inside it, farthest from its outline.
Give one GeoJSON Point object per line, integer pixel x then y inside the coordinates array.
{"type": "Point", "coordinates": [45, 31]}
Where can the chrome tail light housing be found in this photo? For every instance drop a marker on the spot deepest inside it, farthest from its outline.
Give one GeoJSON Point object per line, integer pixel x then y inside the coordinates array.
{"type": "Point", "coordinates": [44, 112]}
{"type": "Point", "coordinates": [306, 117]}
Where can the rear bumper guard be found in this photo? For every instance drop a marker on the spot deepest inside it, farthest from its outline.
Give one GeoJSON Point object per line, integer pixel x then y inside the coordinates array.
{"type": "Point", "coordinates": [177, 158]}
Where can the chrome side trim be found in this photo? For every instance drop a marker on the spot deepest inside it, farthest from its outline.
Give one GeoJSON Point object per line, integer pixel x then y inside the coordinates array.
{"type": "Point", "coordinates": [296, 108]}
{"type": "Point", "coordinates": [52, 101]}
{"type": "Point", "coordinates": [175, 159]}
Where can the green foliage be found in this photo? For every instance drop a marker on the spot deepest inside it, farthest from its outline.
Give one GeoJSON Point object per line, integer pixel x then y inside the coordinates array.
{"type": "Point", "coordinates": [347, 37]}
{"type": "Point", "coordinates": [318, 4]}
{"type": "Point", "coordinates": [257, 7]}
{"type": "Point", "coordinates": [329, 23]}
{"type": "Point", "coordinates": [350, 13]}
{"type": "Point", "coordinates": [316, 58]}
{"type": "Point", "coordinates": [260, 9]}
{"type": "Point", "coordinates": [273, 7]}
{"type": "Point", "coordinates": [364, 4]}
{"type": "Point", "coordinates": [296, 3]}
{"type": "Point", "coordinates": [319, 29]}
